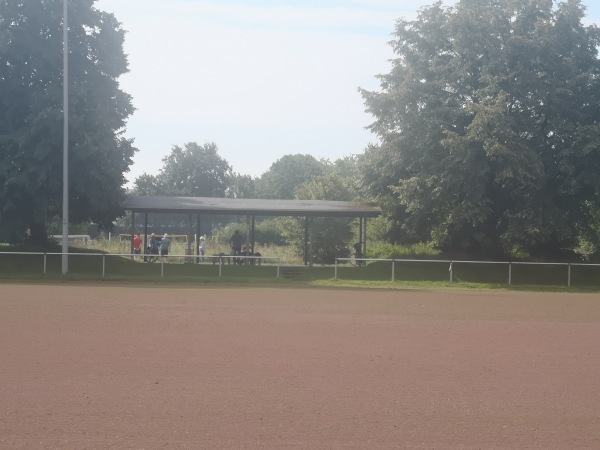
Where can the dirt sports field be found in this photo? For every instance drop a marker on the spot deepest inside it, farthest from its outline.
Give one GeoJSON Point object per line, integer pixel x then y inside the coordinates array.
{"type": "Point", "coordinates": [130, 367]}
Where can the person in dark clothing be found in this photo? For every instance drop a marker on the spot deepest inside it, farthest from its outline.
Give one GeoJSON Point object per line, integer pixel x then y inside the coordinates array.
{"type": "Point", "coordinates": [236, 246]}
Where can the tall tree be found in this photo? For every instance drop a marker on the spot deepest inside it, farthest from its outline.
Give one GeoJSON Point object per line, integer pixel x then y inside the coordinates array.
{"type": "Point", "coordinates": [192, 170]}
{"type": "Point", "coordinates": [287, 174]}
{"type": "Point", "coordinates": [489, 123]}
{"type": "Point", "coordinates": [31, 115]}
{"type": "Point", "coordinates": [241, 186]}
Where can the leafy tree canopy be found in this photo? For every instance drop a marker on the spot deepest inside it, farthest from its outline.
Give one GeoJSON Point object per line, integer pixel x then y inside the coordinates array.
{"type": "Point", "coordinates": [31, 115]}
{"type": "Point", "coordinates": [192, 170]}
{"type": "Point", "coordinates": [489, 126]}
{"type": "Point", "coordinates": [241, 186]}
{"type": "Point", "coordinates": [287, 174]}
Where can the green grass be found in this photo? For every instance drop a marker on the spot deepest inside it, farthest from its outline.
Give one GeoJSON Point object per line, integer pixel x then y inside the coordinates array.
{"type": "Point", "coordinates": [86, 267]}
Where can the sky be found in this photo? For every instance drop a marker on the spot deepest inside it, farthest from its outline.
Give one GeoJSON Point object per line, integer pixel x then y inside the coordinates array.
{"type": "Point", "coordinates": [260, 78]}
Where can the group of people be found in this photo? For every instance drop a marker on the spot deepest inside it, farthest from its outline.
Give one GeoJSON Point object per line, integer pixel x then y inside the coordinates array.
{"type": "Point", "coordinates": [161, 246]}
{"type": "Point", "coordinates": [156, 245]}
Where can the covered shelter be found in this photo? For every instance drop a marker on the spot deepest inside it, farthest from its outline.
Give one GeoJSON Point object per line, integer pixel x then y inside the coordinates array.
{"type": "Point", "coordinates": [251, 208]}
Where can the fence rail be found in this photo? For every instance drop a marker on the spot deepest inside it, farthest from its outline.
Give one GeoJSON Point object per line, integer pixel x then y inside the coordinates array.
{"type": "Point", "coordinates": [452, 263]}
{"type": "Point", "coordinates": [218, 265]}
{"type": "Point", "coordinates": [219, 261]}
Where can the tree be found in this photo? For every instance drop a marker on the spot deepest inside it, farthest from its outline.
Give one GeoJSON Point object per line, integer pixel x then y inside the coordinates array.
{"type": "Point", "coordinates": [191, 171]}
{"type": "Point", "coordinates": [488, 124]}
{"type": "Point", "coordinates": [288, 174]}
{"type": "Point", "coordinates": [241, 186]}
{"type": "Point", "coordinates": [31, 116]}
{"type": "Point", "coordinates": [329, 235]}
{"type": "Point", "coordinates": [194, 170]}
{"type": "Point", "coordinates": [147, 184]}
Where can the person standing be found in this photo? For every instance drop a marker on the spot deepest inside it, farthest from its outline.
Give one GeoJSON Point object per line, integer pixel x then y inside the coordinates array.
{"type": "Point", "coordinates": [236, 246]}
{"type": "Point", "coordinates": [202, 248]}
{"type": "Point", "coordinates": [152, 249]}
{"type": "Point", "coordinates": [137, 244]}
{"type": "Point", "coordinates": [165, 246]}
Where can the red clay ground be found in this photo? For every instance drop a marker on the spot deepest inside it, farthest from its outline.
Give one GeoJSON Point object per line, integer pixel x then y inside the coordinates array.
{"type": "Point", "coordinates": [86, 367]}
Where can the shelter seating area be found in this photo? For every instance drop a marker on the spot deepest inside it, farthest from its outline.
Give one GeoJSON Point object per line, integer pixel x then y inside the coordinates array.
{"type": "Point", "coordinates": [251, 208]}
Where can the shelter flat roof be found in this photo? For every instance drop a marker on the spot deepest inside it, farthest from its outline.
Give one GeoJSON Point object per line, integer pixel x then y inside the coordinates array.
{"type": "Point", "coordinates": [256, 207]}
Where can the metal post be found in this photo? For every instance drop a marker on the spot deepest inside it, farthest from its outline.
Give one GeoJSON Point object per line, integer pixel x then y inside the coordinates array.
{"type": "Point", "coordinates": [45, 264]}
{"type": "Point", "coordinates": [197, 241]}
{"type": "Point", "coordinates": [569, 276]}
{"type": "Point", "coordinates": [252, 237]}
{"type": "Point", "coordinates": [306, 240]}
{"type": "Point", "coordinates": [393, 269]}
{"type": "Point", "coordinates": [364, 239]}
{"type": "Point", "coordinates": [162, 269]}
{"type": "Point", "coordinates": [103, 265]}
{"type": "Point", "coordinates": [450, 270]}
{"type": "Point", "coordinates": [131, 246]}
{"type": "Point", "coordinates": [145, 232]}
{"type": "Point", "coordinates": [335, 270]}
{"type": "Point", "coordinates": [65, 212]}
{"type": "Point", "coordinates": [509, 274]}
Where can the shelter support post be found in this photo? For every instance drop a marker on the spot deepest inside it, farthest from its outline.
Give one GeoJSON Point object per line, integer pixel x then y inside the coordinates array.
{"type": "Point", "coordinates": [145, 231]}
{"type": "Point", "coordinates": [306, 240]}
{"type": "Point", "coordinates": [252, 223]}
{"type": "Point", "coordinates": [197, 241]}
{"type": "Point", "coordinates": [364, 237]}
{"type": "Point", "coordinates": [311, 240]}
{"type": "Point", "coordinates": [190, 238]}
{"type": "Point", "coordinates": [132, 234]}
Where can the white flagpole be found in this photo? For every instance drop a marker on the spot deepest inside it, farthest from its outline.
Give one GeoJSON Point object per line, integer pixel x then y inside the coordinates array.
{"type": "Point", "coordinates": [65, 213]}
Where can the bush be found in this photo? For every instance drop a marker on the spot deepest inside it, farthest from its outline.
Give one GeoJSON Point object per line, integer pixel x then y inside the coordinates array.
{"type": "Point", "coordinates": [266, 232]}
{"type": "Point", "coordinates": [385, 250]}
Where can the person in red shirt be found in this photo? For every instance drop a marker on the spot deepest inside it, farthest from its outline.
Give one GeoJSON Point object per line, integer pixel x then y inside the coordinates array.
{"type": "Point", "coordinates": [137, 244]}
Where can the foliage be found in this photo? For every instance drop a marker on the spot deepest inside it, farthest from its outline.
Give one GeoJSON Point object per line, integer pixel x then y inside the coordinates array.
{"type": "Point", "coordinates": [348, 170]}
{"type": "Point", "coordinates": [588, 245]}
{"type": "Point", "coordinates": [31, 116]}
{"type": "Point", "coordinates": [386, 250]}
{"type": "Point", "coordinates": [489, 123]}
{"type": "Point", "coordinates": [194, 170]}
{"type": "Point", "coordinates": [240, 186]}
{"type": "Point", "coordinates": [287, 174]}
{"type": "Point", "coordinates": [266, 232]}
{"type": "Point", "coordinates": [329, 236]}
{"type": "Point", "coordinates": [378, 229]}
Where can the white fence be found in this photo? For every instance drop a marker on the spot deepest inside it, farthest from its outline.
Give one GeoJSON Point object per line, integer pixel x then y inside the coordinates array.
{"type": "Point", "coordinates": [452, 263]}
{"type": "Point", "coordinates": [217, 260]}
{"type": "Point", "coordinates": [222, 261]}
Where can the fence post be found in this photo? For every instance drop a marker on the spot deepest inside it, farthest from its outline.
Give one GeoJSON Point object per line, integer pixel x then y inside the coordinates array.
{"type": "Point", "coordinates": [509, 273]}
{"type": "Point", "coordinates": [278, 263]}
{"type": "Point", "coordinates": [569, 276]}
{"type": "Point", "coordinates": [335, 270]}
{"type": "Point", "coordinates": [393, 270]}
{"type": "Point", "coordinates": [103, 264]}
{"type": "Point", "coordinates": [450, 270]}
{"type": "Point", "coordinates": [162, 269]}
{"type": "Point", "coordinates": [220, 265]}
{"type": "Point", "coordinates": [45, 264]}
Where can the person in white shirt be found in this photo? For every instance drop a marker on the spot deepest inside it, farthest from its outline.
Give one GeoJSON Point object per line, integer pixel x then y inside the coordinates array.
{"type": "Point", "coordinates": [202, 248]}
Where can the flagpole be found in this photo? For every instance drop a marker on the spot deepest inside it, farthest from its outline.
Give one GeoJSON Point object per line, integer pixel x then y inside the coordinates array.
{"type": "Point", "coordinates": [65, 213]}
